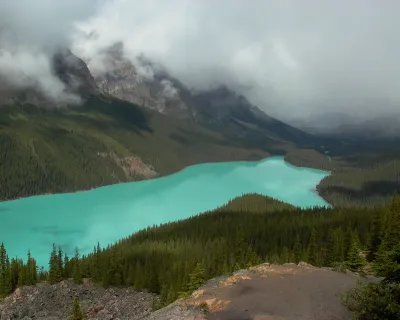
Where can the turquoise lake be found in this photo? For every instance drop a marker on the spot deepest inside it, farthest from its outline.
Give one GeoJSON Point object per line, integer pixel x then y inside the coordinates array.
{"type": "Point", "coordinates": [109, 213]}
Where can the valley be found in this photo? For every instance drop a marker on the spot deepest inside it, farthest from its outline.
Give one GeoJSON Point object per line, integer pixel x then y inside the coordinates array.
{"type": "Point", "coordinates": [173, 260]}
{"type": "Point", "coordinates": [182, 154]}
{"type": "Point", "coordinates": [57, 149]}
{"type": "Point", "coordinates": [114, 212]}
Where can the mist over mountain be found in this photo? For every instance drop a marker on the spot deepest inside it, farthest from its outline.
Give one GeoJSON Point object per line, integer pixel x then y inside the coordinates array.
{"type": "Point", "coordinates": [298, 62]}
{"type": "Point", "coordinates": [351, 126]}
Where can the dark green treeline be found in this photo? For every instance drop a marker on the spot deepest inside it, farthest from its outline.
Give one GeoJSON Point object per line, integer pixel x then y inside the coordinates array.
{"type": "Point", "coordinates": [173, 258]}
{"type": "Point", "coordinates": [380, 300]}
{"type": "Point", "coordinates": [16, 272]}
{"type": "Point", "coordinates": [362, 176]}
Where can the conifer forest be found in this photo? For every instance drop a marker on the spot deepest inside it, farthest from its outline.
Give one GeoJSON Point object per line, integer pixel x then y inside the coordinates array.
{"type": "Point", "coordinates": [174, 259]}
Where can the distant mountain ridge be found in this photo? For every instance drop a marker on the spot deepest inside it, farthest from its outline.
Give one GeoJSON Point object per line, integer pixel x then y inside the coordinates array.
{"type": "Point", "coordinates": [383, 127]}
{"type": "Point", "coordinates": [127, 127]}
{"type": "Point", "coordinates": [150, 86]}
{"type": "Point", "coordinates": [71, 71]}
{"type": "Point", "coordinates": [104, 140]}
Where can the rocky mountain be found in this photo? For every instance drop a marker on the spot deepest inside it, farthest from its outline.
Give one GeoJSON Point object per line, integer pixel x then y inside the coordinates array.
{"type": "Point", "coordinates": [104, 139]}
{"type": "Point", "coordinates": [122, 126]}
{"type": "Point", "coordinates": [70, 70]}
{"type": "Point", "coordinates": [152, 87]}
{"type": "Point", "coordinates": [11, 95]}
{"type": "Point", "coordinates": [74, 73]}
{"type": "Point", "coordinates": [140, 85]}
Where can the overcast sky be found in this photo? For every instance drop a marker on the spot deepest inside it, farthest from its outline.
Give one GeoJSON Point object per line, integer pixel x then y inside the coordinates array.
{"type": "Point", "coordinates": [292, 58]}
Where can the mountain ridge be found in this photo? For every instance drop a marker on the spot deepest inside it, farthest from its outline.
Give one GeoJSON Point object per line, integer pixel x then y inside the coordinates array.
{"type": "Point", "coordinates": [166, 94]}
{"type": "Point", "coordinates": [55, 148]}
{"type": "Point", "coordinates": [58, 147]}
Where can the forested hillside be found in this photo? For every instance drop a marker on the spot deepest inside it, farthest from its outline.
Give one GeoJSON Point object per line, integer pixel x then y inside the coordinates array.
{"type": "Point", "coordinates": [108, 141]}
{"type": "Point", "coordinates": [174, 258]}
{"type": "Point", "coordinates": [49, 148]}
{"type": "Point", "coordinates": [362, 174]}
{"type": "Point", "coordinates": [103, 142]}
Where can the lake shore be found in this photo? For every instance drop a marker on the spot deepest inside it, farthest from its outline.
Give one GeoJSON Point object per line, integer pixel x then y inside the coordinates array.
{"type": "Point", "coordinates": [167, 175]}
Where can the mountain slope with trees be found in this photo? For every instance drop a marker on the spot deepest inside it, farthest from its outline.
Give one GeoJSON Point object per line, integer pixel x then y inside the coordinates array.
{"type": "Point", "coordinates": [52, 148]}
{"type": "Point", "coordinates": [362, 173]}
{"type": "Point", "coordinates": [102, 142]}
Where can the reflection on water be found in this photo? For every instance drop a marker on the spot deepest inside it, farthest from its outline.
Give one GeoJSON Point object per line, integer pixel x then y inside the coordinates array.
{"type": "Point", "coordinates": [109, 213]}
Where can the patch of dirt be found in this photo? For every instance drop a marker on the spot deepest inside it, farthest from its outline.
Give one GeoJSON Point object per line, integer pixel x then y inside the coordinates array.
{"type": "Point", "coordinates": [132, 166]}
{"type": "Point", "coordinates": [267, 292]}
{"type": "Point", "coordinates": [178, 310]}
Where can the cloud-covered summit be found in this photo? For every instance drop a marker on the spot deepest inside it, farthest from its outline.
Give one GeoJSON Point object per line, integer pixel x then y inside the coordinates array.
{"type": "Point", "coordinates": [294, 59]}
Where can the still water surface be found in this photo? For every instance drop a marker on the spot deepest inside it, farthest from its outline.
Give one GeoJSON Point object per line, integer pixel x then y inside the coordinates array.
{"type": "Point", "coordinates": [109, 213]}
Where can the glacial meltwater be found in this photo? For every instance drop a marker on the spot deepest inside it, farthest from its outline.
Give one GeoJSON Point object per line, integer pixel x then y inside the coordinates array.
{"type": "Point", "coordinates": [109, 213]}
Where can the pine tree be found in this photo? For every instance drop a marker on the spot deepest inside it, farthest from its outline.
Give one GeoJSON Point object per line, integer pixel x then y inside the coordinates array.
{"type": "Point", "coordinates": [8, 282]}
{"type": "Point", "coordinates": [67, 267]}
{"type": "Point", "coordinates": [393, 234]}
{"type": "Point", "coordinates": [196, 278]}
{"type": "Point", "coordinates": [240, 250]}
{"type": "Point", "coordinates": [118, 277]}
{"type": "Point", "coordinates": [393, 275]}
{"type": "Point", "coordinates": [5, 272]}
{"type": "Point", "coordinates": [171, 297]}
{"type": "Point", "coordinates": [53, 276]}
{"type": "Point", "coordinates": [390, 238]}
{"type": "Point", "coordinates": [60, 265]}
{"type": "Point", "coordinates": [312, 248]}
{"type": "Point", "coordinates": [297, 249]}
{"type": "Point", "coordinates": [30, 271]}
{"type": "Point", "coordinates": [330, 249]}
{"type": "Point", "coordinates": [77, 274]}
{"type": "Point", "coordinates": [130, 275]}
{"type": "Point", "coordinates": [355, 260]}
{"type": "Point", "coordinates": [43, 274]}
{"type": "Point", "coordinates": [15, 272]}
{"type": "Point", "coordinates": [96, 270]}
{"type": "Point", "coordinates": [76, 313]}
{"type": "Point", "coordinates": [347, 241]}
{"type": "Point", "coordinates": [375, 236]}
{"type": "Point", "coordinates": [339, 245]}
{"type": "Point", "coordinates": [284, 256]}
{"type": "Point", "coordinates": [22, 274]}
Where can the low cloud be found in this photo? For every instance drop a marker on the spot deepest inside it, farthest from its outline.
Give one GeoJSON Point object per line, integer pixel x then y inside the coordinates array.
{"type": "Point", "coordinates": [25, 69]}
{"type": "Point", "coordinates": [30, 33]}
{"type": "Point", "coordinates": [296, 60]}
{"type": "Point", "coordinates": [169, 91]}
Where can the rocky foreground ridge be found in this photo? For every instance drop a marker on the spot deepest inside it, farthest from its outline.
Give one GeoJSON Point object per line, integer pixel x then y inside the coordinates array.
{"type": "Point", "coordinates": [54, 302]}
{"type": "Point", "coordinates": [264, 292]}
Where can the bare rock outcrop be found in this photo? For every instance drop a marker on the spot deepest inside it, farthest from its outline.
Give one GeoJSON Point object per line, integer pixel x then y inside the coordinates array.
{"type": "Point", "coordinates": [263, 292]}
{"type": "Point", "coordinates": [267, 292]}
{"type": "Point", "coordinates": [54, 302]}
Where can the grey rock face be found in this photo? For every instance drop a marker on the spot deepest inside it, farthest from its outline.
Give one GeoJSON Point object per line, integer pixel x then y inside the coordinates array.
{"type": "Point", "coordinates": [54, 302]}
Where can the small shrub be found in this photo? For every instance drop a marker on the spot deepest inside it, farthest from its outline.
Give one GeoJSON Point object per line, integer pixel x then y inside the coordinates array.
{"type": "Point", "coordinates": [204, 307]}
{"type": "Point", "coordinates": [373, 301]}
